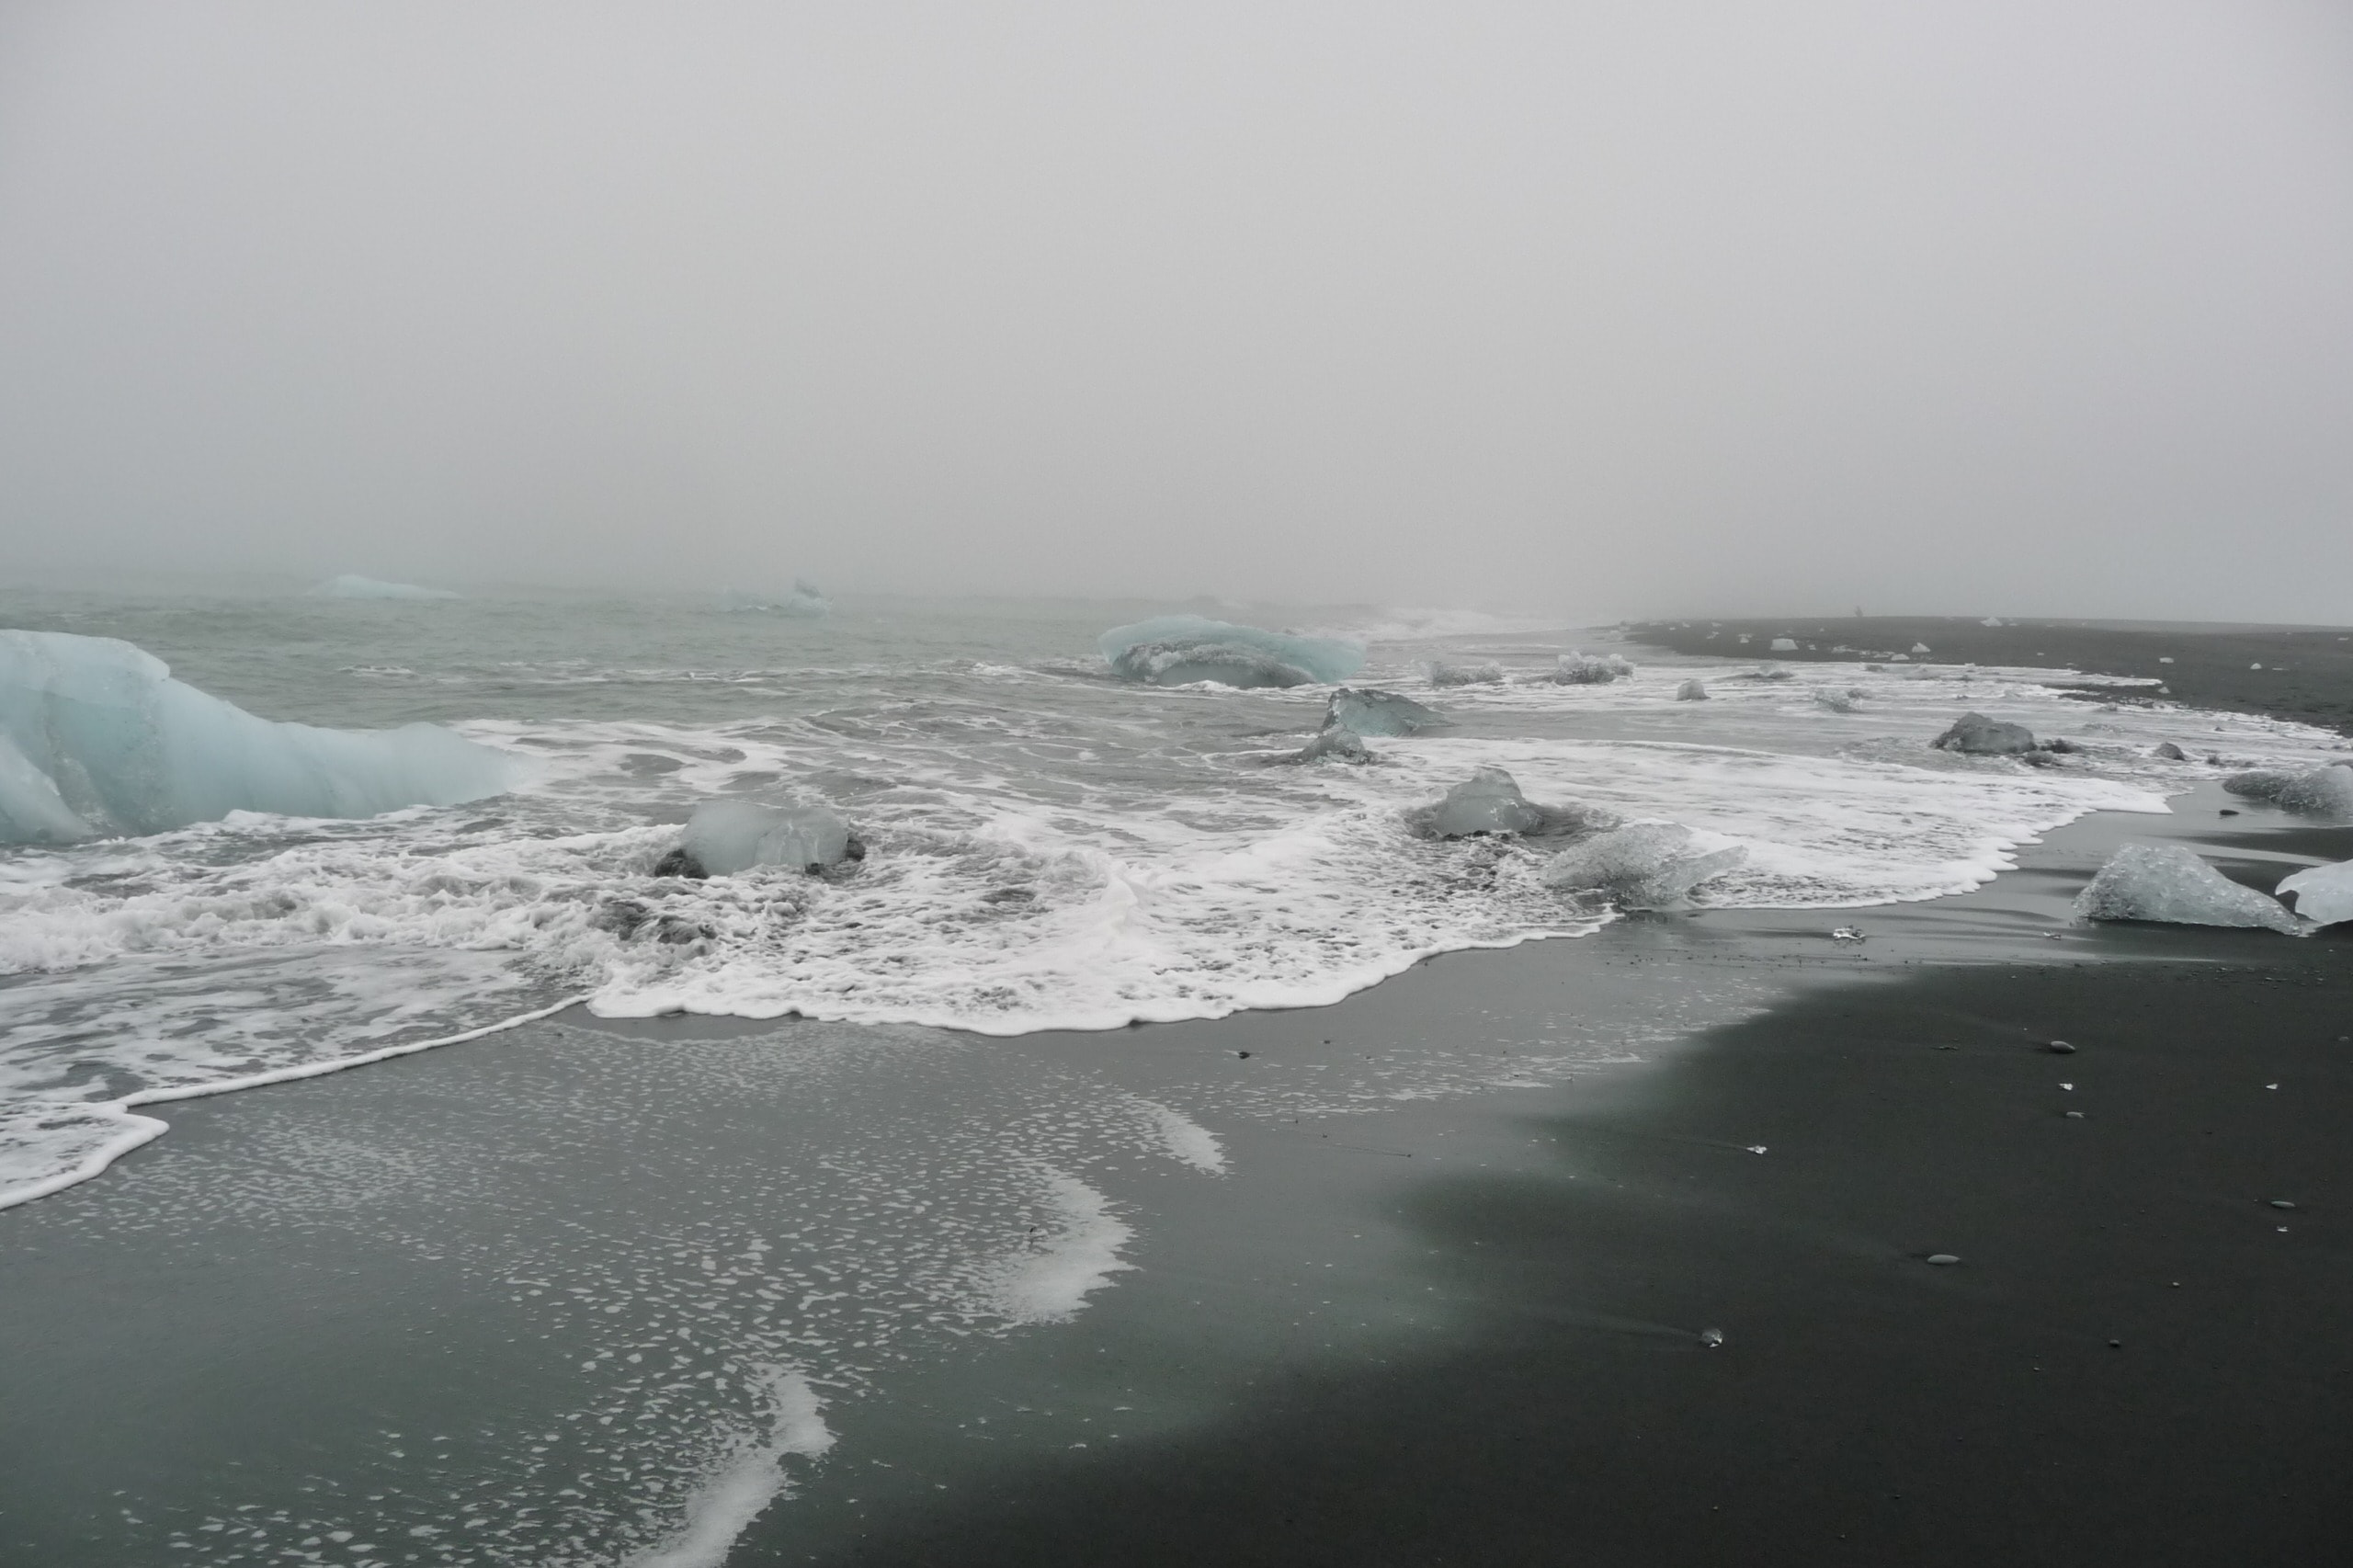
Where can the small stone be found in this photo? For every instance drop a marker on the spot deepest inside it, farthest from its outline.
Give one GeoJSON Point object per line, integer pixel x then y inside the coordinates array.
{"type": "Point", "coordinates": [2227, 812]}
{"type": "Point", "coordinates": [1942, 1258]}
{"type": "Point", "coordinates": [2116, 1344]}
{"type": "Point", "coordinates": [1243, 1054]}
{"type": "Point", "coordinates": [2060, 1048]}
{"type": "Point", "coordinates": [2282, 1203]}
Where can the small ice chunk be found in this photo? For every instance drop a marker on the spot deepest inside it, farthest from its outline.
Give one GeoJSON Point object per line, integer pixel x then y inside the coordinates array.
{"type": "Point", "coordinates": [2323, 792]}
{"type": "Point", "coordinates": [1340, 741]}
{"type": "Point", "coordinates": [1487, 802]}
{"type": "Point", "coordinates": [1487, 672]}
{"type": "Point", "coordinates": [2171, 884]}
{"type": "Point", "coordinates": [2169, 751]}
{"type": "Point", "coordinates": [1783, 645]}
{"type": "Point", "coordinates": [1837, 699]}
{"type": "Point", "coordinates": [1370, 713]}
{"type": "Point", "coordinates": [1176, 650]}
{"type": "Point", "coordinates": [2323, 893]}
{"type": "Point", "coordinates": [1991, 621]}
{"type": "Point", "coordinates": [1691, 692]}
{"type": "Point", "coordinates": [726, 837]}
{"type": "Point", "coordinates": [351, 585]}
{"type": "Point", "coordinates": [1920, 647]}
{"type": "Point", "coordinates": [1981, 736]}
{"type": "Point", "coordinates": [1577, 667]}
{"type": "Point", "coordinates": [1643, 865]}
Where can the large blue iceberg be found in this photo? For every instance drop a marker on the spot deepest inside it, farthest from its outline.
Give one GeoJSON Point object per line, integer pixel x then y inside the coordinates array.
{"type": "Point", "coordinates": [97, 738]}
{"type": "Point", "coordinates": [1176, 650]}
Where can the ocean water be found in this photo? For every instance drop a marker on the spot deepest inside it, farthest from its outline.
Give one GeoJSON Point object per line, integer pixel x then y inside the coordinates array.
{"type": "Point", "coordinates": [1048, 850]}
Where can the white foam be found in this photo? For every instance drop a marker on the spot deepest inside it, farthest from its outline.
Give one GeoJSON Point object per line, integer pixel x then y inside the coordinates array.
{"type": "Point", "coordinates": [1072, 1253]}
{"type": "Point", "coordinates": [743, 1485]}
{"type": "Point", "coordinates": [1034, 865]}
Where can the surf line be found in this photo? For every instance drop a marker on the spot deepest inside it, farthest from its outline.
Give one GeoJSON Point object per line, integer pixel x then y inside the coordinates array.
{"type": "Point", "coordinates": [140, 1130]}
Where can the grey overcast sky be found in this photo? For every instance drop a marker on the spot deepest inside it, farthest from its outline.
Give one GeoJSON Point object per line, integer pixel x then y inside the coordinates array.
{"type": "Point", "coordinates": [1677, 306]}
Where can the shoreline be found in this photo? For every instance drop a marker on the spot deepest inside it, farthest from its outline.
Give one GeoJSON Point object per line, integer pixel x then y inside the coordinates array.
{"type": "Point", "coordinates": [2299, 673]}
{"type": "Point", "coordinates": [1453, 1318]}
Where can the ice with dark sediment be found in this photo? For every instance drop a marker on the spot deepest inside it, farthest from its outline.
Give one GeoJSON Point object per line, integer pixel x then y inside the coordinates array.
{"type": "Point", "coordinates": [97, 739]}
{"type": "Point", "coordinates": [1178, 650]}
{"type": "Point", "coordinates": [351, 585]}
{"type": "Point", "coordinates": [1838, 699]}
{"type": "Point", "coordinates": [1486, 673]}
{"type": "Point", "coordinates": [1977, 735]}
{"type": "Point", "coordinates": [1643, 865]}
{"type": "Point", "coordinates": [1691, 692]}
{"type": "Point", "coordinates": [1577, 667]}
{"type": "Point", "coordinates": [2320, 792]}
{"type": "Point", "coordinates": [1370, 713]}
{"type": "Point", "coordinates": [1336, 741]}
{"type": "Point", "coordinates": [724, 838]}
{"type": "Point", "coordinates": [2170, 885]}
{"type": "Point", "coordinates": [2324, 894]}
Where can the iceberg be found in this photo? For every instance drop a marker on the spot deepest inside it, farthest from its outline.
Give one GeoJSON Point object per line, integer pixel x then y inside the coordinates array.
{"type": "Point", "coordinates": [1370, 712]}
{"type": "Point", "coordinates": [1643, 865]}
{"type": "Point", "coordinates": [1176, 650]}
{"type": "Point", "coordinates": [1487, 672]}
{"type": "Point", "coordinates": [97, 738]}
{"type": "Point", "coordinates": [1339, 741]}
{"type": "Point", "coordinates": [2167, 884]}
{"type": "Point", "coordinates": [1487, 802]}
{"type": "Point", "coordinates": [723, 837]}
{"type": "Point", "coordinates": [1784, 646]}
{"type": "Point", "coordinates": [350, 585]}
{"type": "Point", "coordinates": [2323, 893]}
{"type": "Point", "coordinates": [1691, 692]}
{"type": "Point", "coordinates": [806, 602]}
{"type": "Point", "coordinates": [2324, 791]}
{"type": "Point", "coordinates": [1577, 667]}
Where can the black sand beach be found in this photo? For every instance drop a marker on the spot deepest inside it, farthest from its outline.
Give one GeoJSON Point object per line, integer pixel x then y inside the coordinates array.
{"type": "Point", "coordinates": [2303, 673]}
{"type": "Point", "coordinates": [1469, 1328]}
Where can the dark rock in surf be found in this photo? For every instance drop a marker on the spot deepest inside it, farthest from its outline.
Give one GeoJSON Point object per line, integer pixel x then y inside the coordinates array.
{"type": "Point", "coordinates": [1976, 736]}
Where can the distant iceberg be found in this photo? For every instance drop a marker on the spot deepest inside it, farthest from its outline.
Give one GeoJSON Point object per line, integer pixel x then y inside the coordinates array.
{"type": "Point", "coordinates": [806, 602]}
{"type": "Point", "coordinates": [350, 585]}
{"type": "Point", "coordinates": [97, 738]}
{"type": "Point", "coordinates": [1176, 650]}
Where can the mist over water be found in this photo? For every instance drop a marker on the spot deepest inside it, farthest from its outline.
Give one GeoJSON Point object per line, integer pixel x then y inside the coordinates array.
{"type": "Point", "coordinates": [1581, 309]}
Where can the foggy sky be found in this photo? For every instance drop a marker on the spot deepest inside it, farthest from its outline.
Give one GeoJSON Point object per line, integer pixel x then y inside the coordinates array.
{"type": "Point", "coordinates": [2018, 306]}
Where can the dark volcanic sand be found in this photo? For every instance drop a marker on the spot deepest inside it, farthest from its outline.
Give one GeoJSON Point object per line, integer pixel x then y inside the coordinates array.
{"type": "Point", "coordinates": [2307, 672]}
{"type": "Point", "coordinates": [1866, 1406]}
